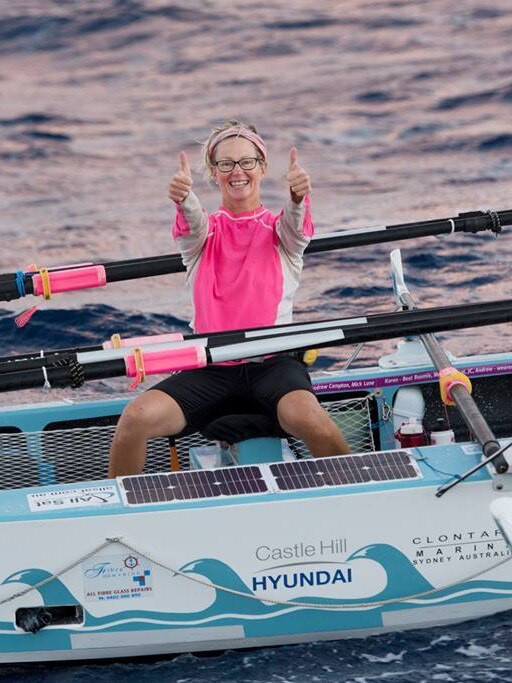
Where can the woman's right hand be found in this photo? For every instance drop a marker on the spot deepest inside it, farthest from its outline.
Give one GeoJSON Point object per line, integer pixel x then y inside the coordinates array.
{"type": "Point", "coordinates": [181, 182]}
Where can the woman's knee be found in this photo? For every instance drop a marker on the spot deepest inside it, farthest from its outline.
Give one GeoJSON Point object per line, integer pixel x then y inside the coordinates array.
{"type": "Point", "coordinates": [152, 414]}
{"type": "Point", "coordinates": [300, 410]}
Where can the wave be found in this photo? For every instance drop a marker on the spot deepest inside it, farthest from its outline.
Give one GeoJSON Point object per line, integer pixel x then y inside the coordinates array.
{"type": "Point", "coordinates": [52, 31]}
{"type": "Point", "coordinates": [501, 94]}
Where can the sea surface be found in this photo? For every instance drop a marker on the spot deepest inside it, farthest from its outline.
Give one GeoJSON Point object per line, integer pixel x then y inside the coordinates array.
{"type": "Point", "coordinates": [401, 111]}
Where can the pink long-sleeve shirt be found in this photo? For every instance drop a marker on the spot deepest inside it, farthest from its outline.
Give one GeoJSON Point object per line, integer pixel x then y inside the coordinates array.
{"type": "Point", "coordinates": [243, 269]}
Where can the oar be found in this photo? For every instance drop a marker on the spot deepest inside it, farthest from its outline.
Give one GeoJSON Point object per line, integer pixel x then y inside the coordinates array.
{"type": "Point", "coordinates": [241, 344]}
{"type": "Point", "coordinates": [455, 386]}
{"type": "Point", "coordinates": [48, 281]}
{"type": "Point", "coordinates": [378, 326]}
{"type": "Point", "coordinates": [36, 359]}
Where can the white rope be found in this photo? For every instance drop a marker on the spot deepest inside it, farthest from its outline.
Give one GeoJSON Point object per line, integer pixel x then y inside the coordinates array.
{"type": "Point", "coordinates": [46, 384]}
{"type": "Point", "coordinates": [249, 596]}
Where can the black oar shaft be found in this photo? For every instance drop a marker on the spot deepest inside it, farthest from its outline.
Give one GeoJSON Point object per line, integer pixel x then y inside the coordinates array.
{"type": "Point", "coordinates": [379, 326]}
{"type": "Point", "coordinates": [59, 376]}
{"type": "Point", "coordinates": [117, 271]}
{"type": "Point", "coordinates": [472, 222]}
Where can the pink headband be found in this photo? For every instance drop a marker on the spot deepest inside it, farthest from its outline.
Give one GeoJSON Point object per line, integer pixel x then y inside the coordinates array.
{"type": "Point", "coordinates": [238, 131]}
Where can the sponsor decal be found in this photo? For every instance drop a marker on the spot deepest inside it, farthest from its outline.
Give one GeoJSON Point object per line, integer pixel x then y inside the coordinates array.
{"type": "Point", "coordinates": [302, 550]}
{"type": "Point", "coordinates": [301, 579]}
{"type": "Point", "coordinates": [117, 577]}
{"type": "Point", "coordinates": [409, 378]}
{"type": "Point", "coordinates": [85, 496]}
{"type": "Point", "coordinates": [314, 552]}
{"type": "Point", "coordinates": [459, 546]}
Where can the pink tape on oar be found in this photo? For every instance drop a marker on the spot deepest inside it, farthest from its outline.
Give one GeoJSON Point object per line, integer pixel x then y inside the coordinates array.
{"type": "Point", "coordinates": [167, 360]}
{"type": "Point", "coordinates": [68, 280]}
{"type": "Point", "coordinates": [142, 341]}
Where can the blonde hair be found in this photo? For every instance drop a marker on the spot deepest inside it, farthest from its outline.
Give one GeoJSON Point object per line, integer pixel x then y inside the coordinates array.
{"type": "Point", "coordinates": [206, 150]}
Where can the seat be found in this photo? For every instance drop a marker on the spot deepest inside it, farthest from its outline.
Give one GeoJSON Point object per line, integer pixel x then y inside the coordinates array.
{"type": "Point", "coordinates": [253, 438]}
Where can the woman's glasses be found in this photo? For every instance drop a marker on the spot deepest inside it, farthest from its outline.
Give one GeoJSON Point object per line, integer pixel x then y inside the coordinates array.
{"type": "Point", "coordinates": [246, 164]}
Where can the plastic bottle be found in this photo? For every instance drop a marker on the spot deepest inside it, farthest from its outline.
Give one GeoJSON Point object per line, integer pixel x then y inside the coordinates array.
{"type": "Point", "coordinates": [441, 434]}
{"type": "Point", "coordinates": [411, 434]}
{"type": "Point", "coordinates": [408, 405]}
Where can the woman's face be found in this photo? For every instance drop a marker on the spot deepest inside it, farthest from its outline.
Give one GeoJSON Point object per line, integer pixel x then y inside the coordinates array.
{"type": "Point", "coordinates": [240, 189]}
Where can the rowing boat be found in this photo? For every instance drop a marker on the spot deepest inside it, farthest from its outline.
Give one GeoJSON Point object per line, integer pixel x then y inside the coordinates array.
{"type": "Point", "coordinates": [237, 538]}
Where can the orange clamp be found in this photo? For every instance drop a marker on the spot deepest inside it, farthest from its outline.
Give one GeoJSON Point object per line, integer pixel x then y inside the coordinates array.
{"type": "Point", "coordinates": [116, 341]}
{"type": "Point", "coordinates": [45, 280]}
{"type": "Point", "coordinates": [447, 378]}
{"type": "Point", "coordinates": [140, 375]}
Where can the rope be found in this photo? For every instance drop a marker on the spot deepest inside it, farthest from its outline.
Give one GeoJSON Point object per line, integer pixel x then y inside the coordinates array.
{"type": "Point", "coordinates": [232, 591]}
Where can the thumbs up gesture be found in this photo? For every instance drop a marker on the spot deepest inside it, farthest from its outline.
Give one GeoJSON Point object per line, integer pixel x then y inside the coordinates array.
{"type": "Point", "coordinates": [298, 178]}
{"type": "Point", "coordinates": [181, 182]}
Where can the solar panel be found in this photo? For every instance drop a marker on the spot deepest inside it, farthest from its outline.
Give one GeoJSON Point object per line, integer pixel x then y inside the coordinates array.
{"type": "Point", "coordinates": [193, 485]}
{"type": "Point", "coordinates": [341, 471]}
{"type": "Point", "coordinates": [284, 476]}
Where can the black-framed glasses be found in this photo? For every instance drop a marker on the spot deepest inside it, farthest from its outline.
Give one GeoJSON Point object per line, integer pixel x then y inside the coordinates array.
{"type": "Point", "coordinates": [246, 164]}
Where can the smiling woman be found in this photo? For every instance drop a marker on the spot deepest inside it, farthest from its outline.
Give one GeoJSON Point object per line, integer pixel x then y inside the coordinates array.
{"type": "Point", "coordinates": [243, 268]}
{"type": "Point", "coordinates": [238, 173]}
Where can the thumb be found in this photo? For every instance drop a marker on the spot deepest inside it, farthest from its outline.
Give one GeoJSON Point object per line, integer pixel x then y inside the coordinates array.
{"type": "Point", "coordinates": [294, 155]}
{"type": "Point", "coordinates": [184, 165]}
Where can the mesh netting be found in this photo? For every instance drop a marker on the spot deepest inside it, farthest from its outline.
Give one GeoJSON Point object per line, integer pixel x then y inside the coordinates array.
{"type": "Point", "coordinates": [74, 454]}
{"type": "Point", "coordinates": [353, 418]}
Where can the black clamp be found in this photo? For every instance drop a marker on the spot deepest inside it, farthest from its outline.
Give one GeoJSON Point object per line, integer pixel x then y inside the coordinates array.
{"type": "Point", "coordinates": [475, 221]}
{"type": "Point", "coordinates": [496, 225]}
{"type": "Point", "coordinates": [76, 371]}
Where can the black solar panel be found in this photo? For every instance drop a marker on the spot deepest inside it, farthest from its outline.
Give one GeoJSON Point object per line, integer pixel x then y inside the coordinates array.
{"type": "Point", "coordinates": [193, 485]}
{"type": "Point", "coordinates": [288, 476]}
{"type": "Point", "coordinates": [349, 469]}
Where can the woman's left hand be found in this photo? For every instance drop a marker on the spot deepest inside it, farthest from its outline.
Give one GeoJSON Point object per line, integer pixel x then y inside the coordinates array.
{"type": "Point", "coordinates": [298, 178]}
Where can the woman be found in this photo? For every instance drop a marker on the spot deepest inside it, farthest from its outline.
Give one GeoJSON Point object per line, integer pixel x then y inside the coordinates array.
{"type": "Point", "coordinates": [243, 267]}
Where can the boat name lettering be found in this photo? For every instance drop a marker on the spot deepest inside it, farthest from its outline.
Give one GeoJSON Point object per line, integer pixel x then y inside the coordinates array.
{"type": "Point", "coordinates": [332, 546]}
{"type": "Point", "coordinates": [461, 537]}
{"type": "Point", "coordinates": [321, 577]}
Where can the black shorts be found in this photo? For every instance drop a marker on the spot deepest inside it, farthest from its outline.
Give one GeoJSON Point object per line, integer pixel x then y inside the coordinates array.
{"type": "Point", "coordinates": [218, 390]}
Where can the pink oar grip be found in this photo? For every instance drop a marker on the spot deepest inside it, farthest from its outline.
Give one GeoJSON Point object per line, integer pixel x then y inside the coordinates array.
{"type": "Point", "coordinates": [148, 339]}
{"type": "Point", "coordinates": [68, 280]}
{"type": "Point", "coordinates": [167, 360]}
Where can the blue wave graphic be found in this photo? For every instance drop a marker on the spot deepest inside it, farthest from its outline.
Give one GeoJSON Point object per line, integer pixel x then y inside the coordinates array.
{"type": "Point", "coordinates": [258, 616]}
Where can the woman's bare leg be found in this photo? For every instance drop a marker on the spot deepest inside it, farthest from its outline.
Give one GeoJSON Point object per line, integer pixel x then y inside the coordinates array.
{"type": "Point", "coordinates": [151, 414]}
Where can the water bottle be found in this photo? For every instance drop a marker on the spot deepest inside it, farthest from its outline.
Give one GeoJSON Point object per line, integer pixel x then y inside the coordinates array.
{"type": "Point", "coordinates": [441, 434]}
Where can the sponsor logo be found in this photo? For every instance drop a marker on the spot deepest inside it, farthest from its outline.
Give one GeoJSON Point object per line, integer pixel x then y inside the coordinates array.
{"type": "Point", "coordinates": [456, 546]}
{"type": "Point", "coordinates": [117, 577]}
{"type": "Point", "coordinates": [86, 496]}
{"type": "Point", "coordinates": [302, 579]}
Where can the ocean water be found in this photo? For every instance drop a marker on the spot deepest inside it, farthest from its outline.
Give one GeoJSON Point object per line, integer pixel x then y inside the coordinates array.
{"type": "Point", "coordinates": [400, 110]}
